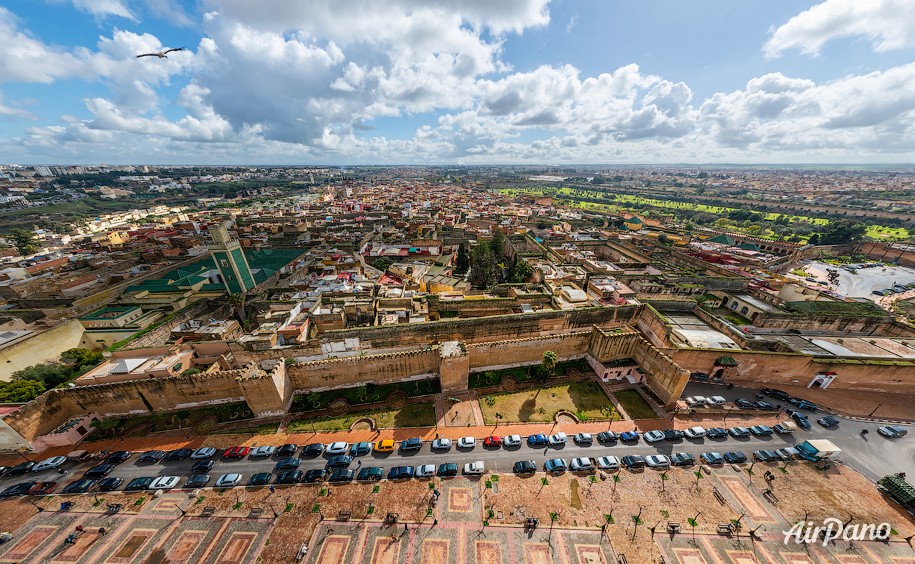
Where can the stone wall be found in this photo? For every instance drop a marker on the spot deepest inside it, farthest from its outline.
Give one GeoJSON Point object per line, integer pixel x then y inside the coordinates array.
{"type": "Point", "coordinates": [356, 370]}
{"type": "Point", "coordinates": [762, 368]}
{"type": "Point", "coordinates": [518, 352]}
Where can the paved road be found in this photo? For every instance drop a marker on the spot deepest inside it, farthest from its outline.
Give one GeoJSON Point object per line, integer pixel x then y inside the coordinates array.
{"type": "Point", "coordinates": [873, 456]}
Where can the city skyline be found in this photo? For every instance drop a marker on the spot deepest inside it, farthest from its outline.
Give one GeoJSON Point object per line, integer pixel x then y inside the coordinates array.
{"type": "Point", "coordinates": [530, 81]}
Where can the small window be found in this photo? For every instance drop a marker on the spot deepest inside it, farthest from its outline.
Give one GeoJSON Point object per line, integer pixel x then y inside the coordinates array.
{"type": "Point", "coordinates": [224, 263]}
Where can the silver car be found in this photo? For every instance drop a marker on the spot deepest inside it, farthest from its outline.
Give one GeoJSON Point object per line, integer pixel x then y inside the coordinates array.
{"type": "Point", "coordinates": [608, 463]}
{"type": "Point", "coordinates": [425, 471]}
{"type": "Point", "coordinates": [657, 461]}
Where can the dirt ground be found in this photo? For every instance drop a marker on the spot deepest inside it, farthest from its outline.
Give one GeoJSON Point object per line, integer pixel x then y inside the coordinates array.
{"type": "Point", "coordinates": [858, 403]}
{"type": "Point", "coordinates": [838, 492]}
{"type": "Point", "coordinates": [98, 503]}
{"type": "Point", "coordinates": [15, 513]}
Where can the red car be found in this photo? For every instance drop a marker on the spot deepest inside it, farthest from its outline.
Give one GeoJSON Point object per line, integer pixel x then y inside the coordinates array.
{"type": "Point", "coordinates": [492, 441]}
{"type": "Point", "coordinates": [43, 488]}
{"type": "Point", "coordinates": [236, 452]}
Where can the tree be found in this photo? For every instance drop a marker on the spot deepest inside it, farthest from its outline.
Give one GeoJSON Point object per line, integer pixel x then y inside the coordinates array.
{"type": "Point", "coordinates": [462, 262]}
{"type": "Point", "coordinates": [20, 391]}
{"type": "Point", "coordinates": [520, 272]}
{"type": "Point", "coordinates": [842, 232]}
{"type": "Point", "coordinates": [549, 363]}
{"type": "Point", "coordinates": [237, 304]}
{"type": "Point", "coordinates": [24, 241]}
{"type": "Point", "coordinates": [80, 358]}
{"type": "Point", "coordinates": [814, 239]}
{"type": "Point", "coordinates": [382, 263]}
{"type": "Point", "coordinates": [50, 374]}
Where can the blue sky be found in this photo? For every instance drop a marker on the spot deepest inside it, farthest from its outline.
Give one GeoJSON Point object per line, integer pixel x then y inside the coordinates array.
{"type": "Point", "coordinates": [435, 81]}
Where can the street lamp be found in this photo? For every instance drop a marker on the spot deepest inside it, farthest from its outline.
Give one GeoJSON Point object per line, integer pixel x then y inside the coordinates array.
{"type": "Point", "coordinates": [871, 414]}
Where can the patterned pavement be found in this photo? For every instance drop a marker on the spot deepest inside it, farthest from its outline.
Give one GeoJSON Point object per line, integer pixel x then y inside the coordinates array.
{"type": "Point", "coordinates": [156, 535]}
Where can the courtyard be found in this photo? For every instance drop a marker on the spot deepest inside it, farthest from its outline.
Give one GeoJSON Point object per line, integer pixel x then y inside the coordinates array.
{"type": "Point", "coordinates": [586, 400]}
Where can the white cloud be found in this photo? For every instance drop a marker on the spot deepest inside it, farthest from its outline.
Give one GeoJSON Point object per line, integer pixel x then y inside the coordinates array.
{"type": "Point", "coordinates": [171, 11]}
{"type": "Point", "coordinates": [24, 58]}
{"type": "Point", "coordinates": [103, 8]}
{"type": "Point", "coordinates": [889, 24]}
{"type": "Point", "coordinates": [11, 112]}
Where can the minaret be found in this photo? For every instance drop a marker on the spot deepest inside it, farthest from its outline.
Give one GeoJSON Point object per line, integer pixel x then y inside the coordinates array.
{"type": "Point", "coordinates": [231, 261]}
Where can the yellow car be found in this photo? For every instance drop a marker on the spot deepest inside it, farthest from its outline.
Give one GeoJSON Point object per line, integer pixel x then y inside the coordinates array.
{"type": "Point", "coordinates": [386, 445]}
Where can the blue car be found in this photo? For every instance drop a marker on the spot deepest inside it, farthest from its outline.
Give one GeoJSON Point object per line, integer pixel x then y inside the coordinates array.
{"type": "Point", "coordinates": [555, 466]}
{"type": "Point", "coordinates": [400, 473]}
{"type": "Point", "coordinates": [629, 437]}
{"type": "Point", "coordinates": [537, 440]}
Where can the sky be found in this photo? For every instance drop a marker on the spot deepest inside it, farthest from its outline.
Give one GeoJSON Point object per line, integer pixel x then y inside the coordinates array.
{"type": "Point", "coordinates": [336, 82]}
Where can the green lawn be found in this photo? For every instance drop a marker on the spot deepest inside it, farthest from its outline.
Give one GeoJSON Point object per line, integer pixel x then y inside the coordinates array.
{"type": "Point", "coordinates": [411, 415]}
{"type": "Point", "coordinates": [881, 233]}
{"type": "Point", "coordinates": [585, 399]}
{"type": "Point", "coordinates": [635, 405]}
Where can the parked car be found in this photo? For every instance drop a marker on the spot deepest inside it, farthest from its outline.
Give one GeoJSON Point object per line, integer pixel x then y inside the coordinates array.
{"type": "Point", "coordinates": [49, 463]}
{"type": "Point", "coordinates": [892, 431]}
{"type": "Point", "coordinates": [411, 444]}
{"type": "Point", "coordinates": [712, 458]}
{"type": "Point", "coordinates": [98, 471]}
{"type": "Point", "coordinates": [18, 489]}
{"type": "Point", "coordinates": [735, 457]}
{"type": "Point", "coordinates": [197, 481]}
{"type": "Point", "coordinates": [179, 454]}
{"type": "Point", "coordinates": [682, 459]}
{"type": "Point", "coordinates": [716, 400]}
{"type": "Point", "coordinates": [370, 474]}
{"type": "Point", "coordinates": [203, 452]}
{"type": "Point", "coordinates": [581, 464]}
{"type": "Point", "coordinates": [311, 476]}
{"type": "Point", "coordinates": [341, 476]}
{"type": "Point", "coordinates": [385, 445]}
{"type": "Point", "coordinates": [441, 444]}
{"type": "Point", "coordinates": [79, 486]}
{"type": "Point", "coordinates": [474, 468]}
{"type": "Point", "coordinates": [164, 483]}
{"type": "Point", "coordinates": [537, 440]}
{"type": "Point", "coordinates": [808, 405]}
{"type": "Point", "coordinates": [829, 421]}
{"type": "Point", "coordinates": [694, 433]}
{"type": "Point", "coordinates": [744, 403]}
{"type": "Point", "coordinates": [511, 441]}
{"type": "Point", "coordinates": [316, 449]}
{"type": "Point", "coordinates": [118, 456]}
{"type": "Point", "coordinates": [400, 473]}
{"type": "Point", "coordinates": [202, 466]}
{"type": "Point", "coordinates": [260, 479]}
{"type": "Point", "coordinates": [447, 470]}
{"type": "Point", "coordinates": [698, 376]}
{"type": "Point", "coordinates": [653, 436]}
{"type": "Point", "coordinates": [295, 476]}
{"type": "Point", "coordinates": [695, 401]}
{"type": "Point", "coordinates": [20, 468]}
{"type": "Point", "coordinates": [236, 453]}
{"type": "Point", "coordinates": [633, 461]}
{"type": "Point", "coordinates": [264, 451]}
{"type": "Point", "coordinates": [341, 461]}
{"type": "Point", "coordinates": [139, 484]}
{"type": "Point", "coordinates": [801, 420]}
{"type": "Point", "coordinates": [425, 471]}
{"type": "Point", "coordinates": [716, 433]}
{"type": "Point", "coordinates": [492, 441]}
{"type": "Point", "coordinates": [583, 439]}
{"type": "Point", "coordinates": [79, 456]}
{"type": "Point", "coordinates": [765, 405]}
{"type": "Point", "coordinates": [287, 450]}
{"type": "Point", "coordinates": [607, 437]}
{"type": "Point", "coordinates": [788, 453]}
{"type": "Point", "coordinates": [555, 466]}
{"type": "Point", "coordinates": [765, 455]}
{"type": "Point", "coordinates": [43, 488]}
{"type": "Point", "coordinates": [466, 442]}
{"type": "Point", "coordinates": [557, 439]}
{"type": "Point", "coordinates": [761, 430]}
{"type": "Point", "coordinates": [361, 449]}
{"type": "Point", "coordinates": [524, 467]}
{"type": "Point", "coordinates": [739, 432]}
{"type": "Point", "coordinates": [287, 464]}
{"type": "Point", "coordinates": [777, 394]}
{"type": "Point", "coordinates": [629, 436]}
{"type": "Point", "coordinates": [109, 484]}
{"type": "Point", "coordinates": [608, 463]}
{"type": "Point", "coordinates": [785, 427]}
{"type": "Point", "coordinates": [673, 435]}
{"type": "Point", "coordinates": [152, 456]}
{"type": "Point", "coordinates": [659, 461]}
{"type": "Point", "coordinates": [338, 447]}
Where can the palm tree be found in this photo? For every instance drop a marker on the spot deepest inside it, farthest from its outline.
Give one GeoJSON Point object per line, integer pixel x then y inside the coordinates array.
{"type": "Point", "coordinates": [549, 363]}
{"type": "Point", "coordinates": [237, 304]}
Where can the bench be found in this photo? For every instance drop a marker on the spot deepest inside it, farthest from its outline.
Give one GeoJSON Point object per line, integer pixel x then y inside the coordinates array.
{"type": "Point", "coordinates": [208, 511]}
{"type": "Point", "coordinates": [770, 496]}
{"type": "Point", "coordinates": [255, 512]}
{"type": "Point", "coordinates": [673, 527]}
{"type": "Point", "coordinates": [343, 516]}
{"type": "Point", "coordinates": [718, 496]}
{"type": "Point", "coordinates": [725, 529]}
{"type": "Point", "coordinates": [114, 507]}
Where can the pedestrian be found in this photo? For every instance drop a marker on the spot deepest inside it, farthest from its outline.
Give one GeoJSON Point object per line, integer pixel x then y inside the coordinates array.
{"type": "Point", "coordinates": [101, 531]}
{"type": "Point", "coordinates": [272, 489]}
{"type": "Point", "coordinates": [358, 463]}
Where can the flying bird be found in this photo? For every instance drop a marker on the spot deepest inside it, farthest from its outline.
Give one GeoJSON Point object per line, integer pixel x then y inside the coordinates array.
{"type": "Point", "coordinates": [161, 54]}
